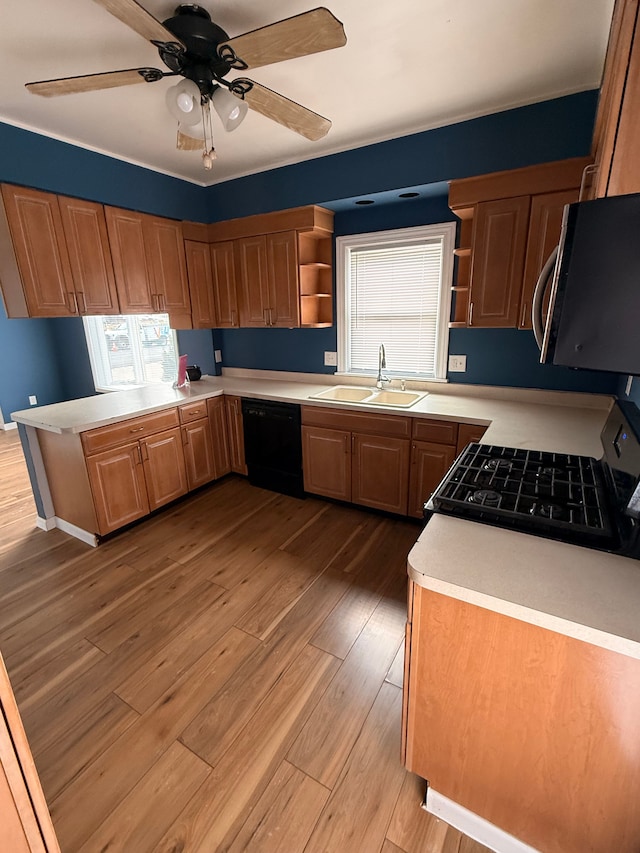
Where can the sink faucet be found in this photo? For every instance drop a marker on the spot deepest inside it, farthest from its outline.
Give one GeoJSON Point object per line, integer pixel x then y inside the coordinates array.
{"type": "Point", "coordinates": [382, 363]}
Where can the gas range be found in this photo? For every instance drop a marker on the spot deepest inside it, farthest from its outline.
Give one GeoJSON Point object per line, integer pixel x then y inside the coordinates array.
{"type": "Point", "coordinates": [577, 499]}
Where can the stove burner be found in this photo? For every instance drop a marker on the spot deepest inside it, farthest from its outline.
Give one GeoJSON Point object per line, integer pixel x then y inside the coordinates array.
{"type": "Point", "coordinates": [500, 465]}
{"type": "Point", "coordinates": [485, 497]}
{"type": "Point", "coordinates": [548, 472]}
{"type": "Point", "coordinates": [547, 511]}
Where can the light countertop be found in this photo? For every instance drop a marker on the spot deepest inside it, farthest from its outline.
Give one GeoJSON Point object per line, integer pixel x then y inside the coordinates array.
{"type": "Point", "coordinates": [554, 421]}
{"type": "Point", "coordinates": [580, 592]}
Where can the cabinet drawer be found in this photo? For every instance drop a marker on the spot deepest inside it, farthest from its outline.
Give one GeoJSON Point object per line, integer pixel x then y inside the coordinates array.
{"type": "Point", "coordinates": [192, 411]}
{"type": "Point", "coordinates": [441, 432]}
{"type": "Point", "coordinates": [111, 436]}
{"type": "Point", "coordinates": [374, 422]}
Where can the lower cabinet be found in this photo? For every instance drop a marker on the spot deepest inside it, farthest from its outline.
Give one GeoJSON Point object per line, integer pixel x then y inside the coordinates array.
{"type": "Point", "coordinates": [130, 481]}
{"type": "Point", "coordinates": [433, 451]}
{"type": "Point", "coordinates": [326, 455]}
{"type": "Point", "coordinates": [198, 450]}
{"type": "Point", "coordinates": [357, 457]}
{"type": "Point", "coordinates": [217, 411]}
{"type": "Point", "coordinates": [118, 487]}
{"type": "Point", "coordinates": [235, 435]}
{"type": "Point", "coordinates": [468, 433]}
{"type": "Point", "coordinates": [429, 463]}
{"type": "Point", "coordinates": [530, 729]}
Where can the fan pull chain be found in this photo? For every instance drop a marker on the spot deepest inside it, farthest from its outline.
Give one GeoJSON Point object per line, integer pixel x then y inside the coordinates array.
{"type": "Point", "coordinates": [209, 153]}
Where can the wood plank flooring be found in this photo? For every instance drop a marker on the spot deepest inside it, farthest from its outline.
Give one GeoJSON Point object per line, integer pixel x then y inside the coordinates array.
{"type": "Point", "coordinates": [225, 676]}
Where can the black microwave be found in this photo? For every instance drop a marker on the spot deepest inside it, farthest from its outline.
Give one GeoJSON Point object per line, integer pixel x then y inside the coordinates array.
{"type": "Point", "coordinates": [593, 320]}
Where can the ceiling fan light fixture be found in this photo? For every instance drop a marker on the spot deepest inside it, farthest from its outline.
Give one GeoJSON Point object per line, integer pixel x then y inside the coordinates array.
{"type": "Point", "coordinates": [183, 102]}
{"type": "Point", "coordinates": [231, 110]}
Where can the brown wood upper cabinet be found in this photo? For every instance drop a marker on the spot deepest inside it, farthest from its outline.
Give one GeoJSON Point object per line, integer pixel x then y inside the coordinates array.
{"type": "Point", "coordinates": [510, 223]}
{"type": "Point", "coordinates": [56, 259]}
{"type": "Point", "coordinates": [150, 265]}
{"type": "Point", "coordinates": [198, 257]}
{"type": "Point", "coordinates": [282, 270]}
{"type": "Point", "coordinates": [616, 138]}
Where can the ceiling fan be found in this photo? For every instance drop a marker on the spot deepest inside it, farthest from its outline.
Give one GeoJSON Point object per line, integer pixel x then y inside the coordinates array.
{"type": "Point", "coordinates": [193, 47]}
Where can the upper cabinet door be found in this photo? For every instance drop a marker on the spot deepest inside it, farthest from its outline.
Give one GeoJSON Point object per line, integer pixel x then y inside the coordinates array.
{"type": "Point", "coordinates": [130, 264]}
{"type": "Point", "coordinates": [251, 258]}
{"type": "Point", "coordinates": [224, 285]}
{"type": "Point", "coordinates": [282, 266]}
{"type": "Point", "coordinates": [499, 245]}
{"type": "Point", "coordinates": [545, 224]}
{"type": "Point", "coordinates": [166, 259]}
{"type": "Point", "coordinates": [40, 249]}
{"type": "Point", "coordinates": [85, 229]}
{"type": "Point", "coordinates": [200, 284]}
{"type": "Point", "coordinates": [617, 129]}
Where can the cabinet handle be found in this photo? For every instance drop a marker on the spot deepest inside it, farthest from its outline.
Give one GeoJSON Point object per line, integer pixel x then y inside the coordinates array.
{"type": "Point", "coordinates": [185, 437]}
{"type": "Point", "coordinates": [136, 429]}
{"type": "Point", "coordinates": [233, 317]}
{"type": "Point", "coordinates": [346, 443]}
{"type": "Point", "coordinates": [163, 302]}
{"type": "Point", "coordinates": [271, 321]}
{"type": "Point", "coordinates": [264, 316]}
{"type": "Point", "coordinates": [523, 315]}
{"type": "Point", "coordinates": [73, 302]}
{"type": "Point", "coordinates": [470, 313]}
{"type": "Point", "coordinates": [80, 300]}
{"type": "Point", "coordinates": [139, 455]}
{"type": "Point", "coordinates": [145, 451]}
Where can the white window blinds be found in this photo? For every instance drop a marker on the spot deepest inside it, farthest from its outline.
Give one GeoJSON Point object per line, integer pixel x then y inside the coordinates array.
{"type": "Point", "coordinates": [396, 293]}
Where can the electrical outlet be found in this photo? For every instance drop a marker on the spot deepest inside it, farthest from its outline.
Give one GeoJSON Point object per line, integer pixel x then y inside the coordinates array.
{"type": "Point", "coordinates": [331, 359]}
{"type": "Point", "coordinates": [457, 363]}
{"type": "Point", "coordinates": [218, 355]}
{"type": "Point", "coordinates": [33, 400]}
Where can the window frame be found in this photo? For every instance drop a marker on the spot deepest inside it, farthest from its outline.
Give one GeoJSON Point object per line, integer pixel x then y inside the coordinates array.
{"type": "Point", "coordinates": [446, 231]}
{"type": "Point", "coordinates": [138, 358]}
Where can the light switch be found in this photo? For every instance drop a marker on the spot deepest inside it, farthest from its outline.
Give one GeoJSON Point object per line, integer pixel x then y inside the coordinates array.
{"type": "Point", "coordinates": [218, 355]}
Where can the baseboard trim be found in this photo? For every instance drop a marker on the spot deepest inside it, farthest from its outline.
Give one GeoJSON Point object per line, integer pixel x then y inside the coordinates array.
{"type": "Point", "coordinates": [10, 425]}
{"type": "Point", "coordinates": [473, 825]}
{"type": "Point", "coordinates": [67, 527]}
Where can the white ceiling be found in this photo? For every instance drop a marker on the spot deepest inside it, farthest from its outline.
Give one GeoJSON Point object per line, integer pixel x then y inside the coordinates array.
{"type": "Point", "coordinates": [409, 65]}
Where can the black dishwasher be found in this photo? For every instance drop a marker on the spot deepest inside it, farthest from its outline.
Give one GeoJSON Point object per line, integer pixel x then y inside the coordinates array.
{"type": "Point", "coordinates": [273, 445]}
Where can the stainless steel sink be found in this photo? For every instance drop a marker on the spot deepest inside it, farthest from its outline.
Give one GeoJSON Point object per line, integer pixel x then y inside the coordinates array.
{"type": "Point", "coordinates": [369, 396]}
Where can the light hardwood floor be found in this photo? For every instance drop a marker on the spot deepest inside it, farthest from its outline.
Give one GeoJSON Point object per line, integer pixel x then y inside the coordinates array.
{"type": "Point", "coordinates": [225, 676]}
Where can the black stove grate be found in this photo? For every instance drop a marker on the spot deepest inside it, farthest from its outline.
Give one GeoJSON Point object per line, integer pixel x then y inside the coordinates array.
{"type": "Point", "coordinates": [553, 494]}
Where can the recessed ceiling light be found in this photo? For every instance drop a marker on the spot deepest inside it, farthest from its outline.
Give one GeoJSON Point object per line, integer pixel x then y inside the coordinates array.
{"type": "Point", "coordinates": [365, 201]}
{"type": "Point", "coordinates": [408, 195]}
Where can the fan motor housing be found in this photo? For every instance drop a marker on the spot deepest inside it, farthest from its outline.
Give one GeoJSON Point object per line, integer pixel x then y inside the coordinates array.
{"type": "Point", "coordinates": [200, 62]}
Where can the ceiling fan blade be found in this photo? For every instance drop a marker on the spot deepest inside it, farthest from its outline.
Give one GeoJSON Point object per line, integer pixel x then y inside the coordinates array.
{"type": "Point", "coordinates": [142, 22]}
{"type": "Point", "coordinates": [287, 113]}
{"type": "Point", "coordinates": [310, 32]}
{"type": "Point", "coordinates": [92, 82]}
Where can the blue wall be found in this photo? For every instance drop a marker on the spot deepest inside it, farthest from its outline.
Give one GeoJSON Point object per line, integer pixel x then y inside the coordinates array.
{"type": "Point", "coordinates": [50, 356]}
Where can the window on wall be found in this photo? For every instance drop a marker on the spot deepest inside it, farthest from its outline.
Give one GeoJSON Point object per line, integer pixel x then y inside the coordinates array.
{"type": "Point", "coordinates": [395, 289]}
{"type": "Point", "coordinates": [128, 351]}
